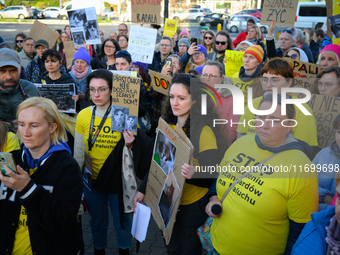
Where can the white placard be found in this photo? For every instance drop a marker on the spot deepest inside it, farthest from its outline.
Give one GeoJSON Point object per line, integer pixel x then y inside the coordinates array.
{"type": "Point", "coordinates": [140, 222]}
{"type": "Point", "coordinates": [142, 43]}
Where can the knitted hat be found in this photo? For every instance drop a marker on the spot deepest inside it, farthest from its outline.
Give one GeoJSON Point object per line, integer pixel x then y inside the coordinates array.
{"type": "Point", "coordinates": [82, 54]}
{"type": "Point", "coordinates": [331, 47]}
{"type": "Point", "coordinates": [199, 69]}
{"type": "Point", "coordinates": [183, 32]}
{"type": "Point", "coordinates": [205, 28]}
{"type": "Point", "coordinates": [141, 65]}
{"type": "Point", "coordinates": [203, 49]}
{"type": "Point", "coordinates": [185, 41]}
{"type": "Point", "coordinates": [256, 51]}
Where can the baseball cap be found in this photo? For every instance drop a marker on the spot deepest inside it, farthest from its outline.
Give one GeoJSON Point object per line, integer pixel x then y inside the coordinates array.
{"type": "Point", "coordinates": [9, 57]}
{"type": "Point", "coordinates": [41, 42]}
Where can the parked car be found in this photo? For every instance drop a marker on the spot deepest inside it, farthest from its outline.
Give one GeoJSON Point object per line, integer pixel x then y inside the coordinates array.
{"type": "Point", "coordinates": [207, 10]}
{"type": "Point", "coordinates": [238, 23]}
{"type": "Point", "coordinates": [52, 12]}
{"type": "Point", "coordinates": [212, 20]}
{"type": "Point", "coordinates": [311, 15]}
{"type": "Point", "coordinates": [257, 13]}
{"type": "Point", "coordinates": [190, 14]}
{"type": "Point", "coordinates": [16, 11]}
{"type": "Point", "coordinates": [38, 14]}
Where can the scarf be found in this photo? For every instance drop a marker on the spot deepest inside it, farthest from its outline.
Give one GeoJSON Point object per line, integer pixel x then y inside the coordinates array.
{"type": "Point", "coordinates": [244, 77]}
{"type": "Point", "coordinates": [333, 237]}
{"type": "Point", "coordinates": [78, 75]}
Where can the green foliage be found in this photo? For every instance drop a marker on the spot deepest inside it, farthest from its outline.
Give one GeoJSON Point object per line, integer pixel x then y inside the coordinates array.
{"type": "Point", "coordinates": [36, 4]}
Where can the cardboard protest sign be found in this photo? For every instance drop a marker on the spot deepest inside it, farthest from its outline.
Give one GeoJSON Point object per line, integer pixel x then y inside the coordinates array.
{"type": "Point", "coordinates": [60, 94]}
{"type": "Point", "coordinates": [282, 12]}
{"type": "Point", "coordinates": [165, 183]}
{"type": "Point", "coordinates": [125, 93]}
{"type": "Point", "coordinates": [304, 73]}
{"type": "Point", "coordinates": [142, 43]}
{"type": "Point", "coordinates": [84, 26]}
{"type": "Point", "coordinates": [170, 27]}
{"type": "Point", "coordinates": [69, 52]}
{"type": "Point", "coordinates": [146, 11]}
{"type": "Point", "coordinates": [127, 73]}
{"type": "Point", "coordinates": [41, 31]}
{"type": "Point", "coordinates": [234, 61]}
{"type": "Point", "coordinates": [160, 82]}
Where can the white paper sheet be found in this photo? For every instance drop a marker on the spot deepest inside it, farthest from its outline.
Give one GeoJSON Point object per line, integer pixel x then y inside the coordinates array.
{"type": "Point", "coordinates": [140, 222]}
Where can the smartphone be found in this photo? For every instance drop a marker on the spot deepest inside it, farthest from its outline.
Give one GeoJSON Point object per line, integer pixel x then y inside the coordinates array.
{"type": "Point", "coordinates": [168, 62]}
{"type": "Point", "coordinates": [8, 160]}
{"type": "Point", "coordinates": [194, 40]}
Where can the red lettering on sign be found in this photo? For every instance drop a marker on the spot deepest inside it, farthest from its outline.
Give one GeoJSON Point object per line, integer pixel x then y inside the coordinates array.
{"type": "Point", "coordinates": [170, 132]}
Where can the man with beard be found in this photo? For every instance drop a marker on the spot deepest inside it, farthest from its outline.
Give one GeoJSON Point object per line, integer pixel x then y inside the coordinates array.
{"type": "Point", "coordinates": [13, 90]}
{"type": "Point", "coordinates": [222, 43]}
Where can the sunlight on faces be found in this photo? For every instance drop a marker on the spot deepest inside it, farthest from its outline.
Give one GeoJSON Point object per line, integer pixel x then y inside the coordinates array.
{"type": "Point", "coordinates": [29, 46]}
{"type": "Point", "coordinates": [251, 33]}
{"type": "Point", "coordinates": [220, 47]}
{"type": "Point", "coordinates": [100, 93]}
{"type": "Point", "coordinates": [182, 48]}
{"type": "Point", "coordinates": [274, 80]}
{"type": "Point", "coordinates": [175, 65]}
{"type": "Point", "coordinates": [40, 50]}
{"type": "Point", "coordinates": [328, 58]}
{"type": "Point", "coordinates": [112, 35]}
{"type": "Point", "coordinates": [199, 58]}
{"type": "Point", "coordinates": [250, 62]}
{"type": "Point", "coordinates": [180, 100]}
{"type": "Point", "coordinates": [123, 43]}
{"type": "Point", "coordinates": [19, 40]}
{"type": "Point", "coordinates": [80, 65]}
{"type": "Point", "coordinates": [328, 85]}
{"type": "Point", "coordinates": [211, 75]}
{"type": "Point", "coordinates": [122, 64]}
{"type": "Point", "coordinates": [294, 52]}
{"type": "Point", "coordinates": [272, 133]}
{"type": "Point", "coordinates": [52, 65]}
{"type": "Point", "coordinates": [64, 37]}
{"type": "Point", "coordinates": [109, 48]}
{"type": "Point", "coordinates": [9, 78]}
{"type": "Point", "coordinates": [165, 46]}
{"type": "Point", "coordinates": [286, 41]}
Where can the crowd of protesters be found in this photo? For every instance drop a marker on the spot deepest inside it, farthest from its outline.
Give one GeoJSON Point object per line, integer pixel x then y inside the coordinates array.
{"type": "Point", "coordinates": [43, 196]}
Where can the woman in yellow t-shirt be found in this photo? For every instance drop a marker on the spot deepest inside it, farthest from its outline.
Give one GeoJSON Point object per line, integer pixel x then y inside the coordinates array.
{"type": "Point", "coordinates": [184, 109]}
{"type": "Point", "coordinates": [8, 141]}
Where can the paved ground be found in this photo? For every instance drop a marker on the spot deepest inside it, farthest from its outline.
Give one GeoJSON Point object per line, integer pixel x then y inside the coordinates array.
{"type": "Point", "coordinates": [152, 245]}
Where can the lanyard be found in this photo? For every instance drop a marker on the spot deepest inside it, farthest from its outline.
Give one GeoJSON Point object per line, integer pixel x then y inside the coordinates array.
{"type": "Point", "coordinates": [91, 140]}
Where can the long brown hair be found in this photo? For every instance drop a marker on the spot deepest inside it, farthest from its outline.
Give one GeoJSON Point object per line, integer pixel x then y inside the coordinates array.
{"type": "Point", "coordinates": [4, 128]}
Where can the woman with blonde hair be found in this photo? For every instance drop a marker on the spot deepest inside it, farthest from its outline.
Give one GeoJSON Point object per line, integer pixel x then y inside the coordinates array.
{"type": "Point", "coordinates": [254, 36]}
{"type": "Point", "coordinates": [46, 190]}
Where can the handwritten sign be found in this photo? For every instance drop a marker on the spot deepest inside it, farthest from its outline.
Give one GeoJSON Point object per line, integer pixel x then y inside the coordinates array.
{"type": "Point", "coordinates": [69, 52]}
{"type": "Point", "coordinates": [282, 12]}
{"type": "Point", "coordinates": [147, 11]}
{"type": "Point", "coordinates": [142, 43]}
{"type": "Point", "coordinates": [125, 93]}
{"type": "Point", "coordinates": [41, 31]}
{"type": "Point", "coordinates": [170, 27]}
{"type": "Point", "coordinates": [234, 61]}
{"type": "Point", "coordinates": [160, 82]}
{"type": "Point", "coordinates": [165, 180]}
{"type": "Point", "coordinates": [304, 73]}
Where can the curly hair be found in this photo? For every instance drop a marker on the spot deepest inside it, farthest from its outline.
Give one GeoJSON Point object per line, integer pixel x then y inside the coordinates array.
{"type": "Point", "coordinates": [195, 120]}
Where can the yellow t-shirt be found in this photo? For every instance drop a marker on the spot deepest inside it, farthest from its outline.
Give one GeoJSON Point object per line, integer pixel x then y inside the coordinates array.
{"type": "Point", "coordinates": [105, 142]}
{"type": "Point", "coordinates": [193, 193]}
{"type": "Point", "coordinates": [256, 212]}
{"type": "Point", "coordinates": [22, 242]}
{"type": "Point", "coordinates": [12, 143]}
{"type": "Point", "coordinates": [305, 129]}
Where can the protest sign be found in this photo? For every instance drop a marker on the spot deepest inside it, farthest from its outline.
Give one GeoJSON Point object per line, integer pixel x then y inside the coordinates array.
{"type": "Point", "coordinates": [304, 73]}
{"type": "Point", "coordinates": [170, 27]}
{"type": "Point", "coordinates": [69, 52]}
{"type": "Point", "coordinates": [142, 43]}
{"type": "Point", "coordinates": [146, 11]}
{"type": "Point", "coordinates": [60, 94]}
{"type": "Point", "coordinates": [84, 26]}
{"type": "Point", "coordinates": [234, 61]}
{"type": "Point", "coordinates": [125, 93]}
{"type": "Point", "coordinates": [41, 31]}
{"type": "Point", "coordinates": [165, 182]}
{"type": "Point", "coordinates": [160, 82]}
{"type": "Point", "coordinates": [127, 73]}
{"type": "Point", "coordinates": [282, 12]}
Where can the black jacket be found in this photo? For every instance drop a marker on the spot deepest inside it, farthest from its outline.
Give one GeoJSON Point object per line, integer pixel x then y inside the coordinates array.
{"type": "Point", "coordinates": [100, 63]}
{"type": "Point", "coordinates": [308, 52]}
{"type": "Point", "coordinates": [157, 64]}
{"type": "Point", "coordinates": [314, 47]}
{"type": "Point", "coordinates": [64, 79]}
{"type": "Point", "coordinates": [52, 200]}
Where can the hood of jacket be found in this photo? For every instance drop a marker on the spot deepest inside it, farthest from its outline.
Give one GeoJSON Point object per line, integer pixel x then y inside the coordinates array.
{"type": "Point", "coordinates": [303, 55]}
{"type": "Point", "coordinates": [244, 77]}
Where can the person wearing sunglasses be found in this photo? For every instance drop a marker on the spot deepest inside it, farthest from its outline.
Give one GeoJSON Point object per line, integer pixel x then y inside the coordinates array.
{"type": "Point", "coordinates": [243, 46]}
{"type": "Point", "coordinates": [301, 44]}
{"type": "Point", "coordinates": [204, 29]}
{"type": "Point", "coordinates": [106, 59]}
{"type": "Point", "coordinates": [286, 41]}
{"type": "Point", "coordinates": [278, 73]}
{"type": "Point", "coordinates": [296, 54]}
{"type": "Point", "coordinates": [208, 40]}
{"type": "Point", "coordinates": [19, 42]}
{"type": "Point", "coordinates": [222, 42]}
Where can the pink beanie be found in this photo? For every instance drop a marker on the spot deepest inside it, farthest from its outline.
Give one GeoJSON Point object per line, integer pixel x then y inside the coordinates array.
{"type": "Point", "coordinates": [183, 32]}
{"type": "Point", "coordinates": [331, 47]}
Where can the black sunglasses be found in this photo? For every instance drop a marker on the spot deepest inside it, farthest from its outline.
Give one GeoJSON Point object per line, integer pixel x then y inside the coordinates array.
{"type": "Point", "coordinates": [287, 31]}
{"type": "Point", "coordinates": [19, 41]}
{"type": "Point", "coordinates": [217, 43]}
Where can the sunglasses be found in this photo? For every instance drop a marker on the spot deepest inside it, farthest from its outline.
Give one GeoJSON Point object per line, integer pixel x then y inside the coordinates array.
{"type": "Point", "coordinates": [217, 43]}
{"type": "Point", "coordinates": [293, 56]}
{"type": "Point", "coordinates": [206, 37]}
{"type": "Point", "coordinates": [287, 31]}
{"type": "Point", "coordinates": [19, 41]}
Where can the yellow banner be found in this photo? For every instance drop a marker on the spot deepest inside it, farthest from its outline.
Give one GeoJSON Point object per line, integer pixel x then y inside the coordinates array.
{"type": "Point", "coordinates": [234, 61]}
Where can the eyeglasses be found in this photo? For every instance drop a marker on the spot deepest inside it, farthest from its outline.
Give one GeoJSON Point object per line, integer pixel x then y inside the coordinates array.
{"type": "Point", "coordinates": [122, 30]}
{"type": "Point", "coordinates": [273, 81]}
{"type": "Point", "coordinates": [217, 43]}
{"type": "Point", "coordinates": [101, 34]}
{"type": "Point", "coordinates": [182, 46]}
{"type": "Point", "coordinates": [122, 40]}
{"type": "Point", "coordinates": [165, 45]}
{"type": "Point", "coordinates": [326, 85]}
{"type": "Point", "coordinates": [287, 31]}
{"type": "Point", "coordinates": [206, 37]}
{"type": "Point", "coordinates": [29, 45]}
{"type": "Point", "coordinates": [197, 53]}
{"type": "Point", "coordinates": [242, 48]}
{"type": "Point", "coordinates": [109, 47]}
{"type": "Point", "coordinates": [293, 56]}
{"type": "Point", "coordinates": [210, 76]}
{"type": "Point", "coordinates": [100, 91]}
{"type": "Point", "coordinates": [19, 41]}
